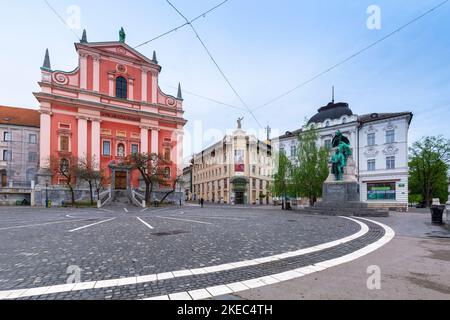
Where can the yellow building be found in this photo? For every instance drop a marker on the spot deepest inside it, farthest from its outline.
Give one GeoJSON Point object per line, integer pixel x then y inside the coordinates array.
{"type": "Point", "coordinates": [236, 170]}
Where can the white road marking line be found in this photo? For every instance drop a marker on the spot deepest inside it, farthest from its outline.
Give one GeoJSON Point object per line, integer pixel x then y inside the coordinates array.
{"type": "Point", "coordinates": [218, 218]}
{"type": "Point", "coordinates": [201, 222]}
{"type": "Point", "coordinates": [199, 294]}
{"type": "Point", "coordinates": [237, 286]}
{"type": "Point", "coordinates": [91, 225]}
{"type": "Point", "coordinates": [126, 210]}
{"type": "Point", "coordinates": [106, 210]}
{"type": "Point", "coordinates": [40, 224]}
{"type": "Point", "coordinates": [181, 296]}
{"type": "Point", "coordinates": [145, 223]}
{"type": "Point", "coordinates": [143, 210]}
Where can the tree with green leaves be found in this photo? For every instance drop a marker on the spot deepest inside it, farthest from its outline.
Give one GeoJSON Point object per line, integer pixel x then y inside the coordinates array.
{"type": "Point", "coordinates": [428, 168]}
{"type": "Point", "coordinates": [311, 168]}
{"type": "Point", "coordinates": [281, 186]}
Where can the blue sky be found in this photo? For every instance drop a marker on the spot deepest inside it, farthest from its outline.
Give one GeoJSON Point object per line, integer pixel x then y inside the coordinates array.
{"type": "Point", "coordinates": [264, 47]}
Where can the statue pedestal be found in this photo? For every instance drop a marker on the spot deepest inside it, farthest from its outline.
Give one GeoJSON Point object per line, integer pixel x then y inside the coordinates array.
{"type": "Point", "coordinates": [340, 191]}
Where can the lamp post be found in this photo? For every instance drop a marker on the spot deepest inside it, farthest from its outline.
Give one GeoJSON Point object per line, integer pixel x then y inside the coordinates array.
{"type": "Point", "coordinates": [46, 194]}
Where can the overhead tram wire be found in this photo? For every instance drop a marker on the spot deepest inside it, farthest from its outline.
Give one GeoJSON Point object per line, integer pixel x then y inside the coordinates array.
{"type": "Point", "coordinates": [216, 64]}
{"type": "Point", "coordinates": [61, 18]}
{"type": "Point", "coordinates": [373, 44]}
{"type": "Point", "coordinates": [182, 25]}
{"type": "Point", "coordinates": [209, 99]}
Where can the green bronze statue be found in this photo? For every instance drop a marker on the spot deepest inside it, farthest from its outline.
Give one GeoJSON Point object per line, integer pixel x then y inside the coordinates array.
{"type": "Point", "coordinates": [122, 35]}
{"type": "Point", "coordinates": [343, 152]}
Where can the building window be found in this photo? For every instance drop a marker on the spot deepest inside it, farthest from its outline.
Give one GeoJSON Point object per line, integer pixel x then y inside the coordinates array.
{"type": "Point", "coordinates": [64, 143]}
{"type": "Point", "coordinates": [7, 136]}
{"type": "Point", "coordinates": [134, 149]}
{"type": "Point", "coordinates": [371, 139]}
{"type": "Point", "coordinates": [33, 139]}
{"type": "Point", "coordinates": [7, 155]}
{"type": "Point", "coordinates": [371, 165]}
{"type": "Point", "coordinates": [344, 120]}
{"type": "Point", "coordinates": [167, 173]}
{"type": "Point", "coordinates": [32, 156]}
{"type": "Point", "coordinates": [106, 148]}
{"type": "Point", "coordinates": [390, 136]}
{"type": "Point", "coordinates": [390, 163]}
{"type": "Point", "coordinates": [327, 144]}
{"type": "Point", "coordinates": [327, 124]}
{"type": "Point", "coordinates": [167, 154]}
{"type": "Point", "coordinates": [381, 191]}
{"type": "Point", "coordinates": [293, 151]}
{"type": "Point", "coordinates": [121, 88]}
{"type": "Point", "coordinates": [282, 150]}
{"type": "Point", "coordinates": [121, 150]}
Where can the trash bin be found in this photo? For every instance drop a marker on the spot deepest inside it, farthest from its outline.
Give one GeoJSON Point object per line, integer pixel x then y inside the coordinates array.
{"type": "Point", "coordinates": [436, 214]}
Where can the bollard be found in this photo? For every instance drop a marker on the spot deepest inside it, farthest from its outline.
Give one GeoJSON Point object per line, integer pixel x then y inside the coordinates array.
{"type": "Point", "coordinates": [144, 204]}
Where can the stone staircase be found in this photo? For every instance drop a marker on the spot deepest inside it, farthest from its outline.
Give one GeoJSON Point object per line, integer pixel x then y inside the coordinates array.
{"type": "Point", "coordinates": [120, 198]}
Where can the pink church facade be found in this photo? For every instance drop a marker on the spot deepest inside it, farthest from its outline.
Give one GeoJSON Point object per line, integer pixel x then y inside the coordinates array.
{"type": "Point", "coordinates": [109, 107]}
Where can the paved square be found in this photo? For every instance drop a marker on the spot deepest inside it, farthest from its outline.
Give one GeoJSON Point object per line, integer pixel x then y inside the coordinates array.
{"type": "Point", "coordinates": [133, 254]}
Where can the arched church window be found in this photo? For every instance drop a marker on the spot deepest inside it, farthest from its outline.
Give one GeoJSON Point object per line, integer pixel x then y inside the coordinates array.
{"type": "Point", "coordinates": [120, 150]}
{"type": "Point", "coordinates": [121, 88]}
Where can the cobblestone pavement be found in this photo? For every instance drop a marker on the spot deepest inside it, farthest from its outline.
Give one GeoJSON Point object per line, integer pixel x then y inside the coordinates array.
{"type": "Point", "coordinates": [39, 245]}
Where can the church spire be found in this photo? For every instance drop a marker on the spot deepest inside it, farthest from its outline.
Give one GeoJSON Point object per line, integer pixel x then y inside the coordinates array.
{"type": "Point", "coordinates": [179, 95]}
{"type": "Point", "coordinates": [84, 37]}
{"type": "Point", "coordinates": [47, 64]}
{"type": "Point", "coordinates": [155, 60]}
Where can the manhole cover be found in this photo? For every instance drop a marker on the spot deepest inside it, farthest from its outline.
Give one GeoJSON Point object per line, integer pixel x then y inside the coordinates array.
{"type": "Point", "coordinates": [169, 233]}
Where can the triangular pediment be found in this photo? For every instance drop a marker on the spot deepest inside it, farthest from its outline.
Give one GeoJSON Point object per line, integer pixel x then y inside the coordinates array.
{"type": "Point", "coordinates": [118, 48]}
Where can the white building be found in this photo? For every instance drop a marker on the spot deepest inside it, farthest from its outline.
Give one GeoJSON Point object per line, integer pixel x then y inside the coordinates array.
{"type": "Point", "coordinates": [380, 149]}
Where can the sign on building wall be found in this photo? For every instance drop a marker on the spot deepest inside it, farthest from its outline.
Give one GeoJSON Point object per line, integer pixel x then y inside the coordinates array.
{"type": "Point", "coordinates": [239, 165]}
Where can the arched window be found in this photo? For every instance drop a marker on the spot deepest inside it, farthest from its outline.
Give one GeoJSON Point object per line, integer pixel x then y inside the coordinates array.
{"type": "Point", "coordinates": [167, 173]}
{"type": "Point", "coordinates": [121, 88]}
{"type": "Point", "coordinates": [120, 150]}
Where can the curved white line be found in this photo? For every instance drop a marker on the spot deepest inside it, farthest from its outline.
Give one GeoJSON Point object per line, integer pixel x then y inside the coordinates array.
{"type": "Point", "coordinates": [216, 291]}
{"type": "Point", "coordinates": [21, 293]}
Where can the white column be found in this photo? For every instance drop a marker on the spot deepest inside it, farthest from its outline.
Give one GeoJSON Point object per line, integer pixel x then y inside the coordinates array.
{"type": "Point", "coordinates": [144, 140]}
{"type": "Point", "coordinates": [111, 79]}
{"type": "Point", "coordinates": [82, 137]}
{"type": "Point", "coordinates": [144, 85]}
{"type": "Point", "coordinates": [83, 71]}
{"type": "Point", "coordinates": [179, 152]}
{"type": "Point", "coordinates": [154, 87]}
{"type": "Point", "coordinates": [95, 142]}
{"type": "Point", "coordinates": [45, 133]}
{"type": "Point", "coordinates": [155, 141]}
{"type": "Point", "coordinates": [96, 76]}
{"type": "Point", "coordinates": [131, 89]}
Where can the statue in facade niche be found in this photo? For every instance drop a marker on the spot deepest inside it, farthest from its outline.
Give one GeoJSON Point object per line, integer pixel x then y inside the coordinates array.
{"type": "Point", "coordinates": [343, 152]}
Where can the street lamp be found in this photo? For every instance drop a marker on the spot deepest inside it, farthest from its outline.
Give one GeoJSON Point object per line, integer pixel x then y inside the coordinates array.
{"type": "Point", "coordinates": [46, 194]}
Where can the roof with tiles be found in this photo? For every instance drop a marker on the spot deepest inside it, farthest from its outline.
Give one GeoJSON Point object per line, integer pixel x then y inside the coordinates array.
{"type": "Point", "coordinates": [19, 116]}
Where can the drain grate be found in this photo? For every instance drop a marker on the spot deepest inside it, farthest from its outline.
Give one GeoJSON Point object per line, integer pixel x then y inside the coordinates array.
{"type": "Point", "coordinates": [169, 233]}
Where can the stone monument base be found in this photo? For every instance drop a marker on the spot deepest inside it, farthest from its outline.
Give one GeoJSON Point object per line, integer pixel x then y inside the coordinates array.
{"type": "Point", "coordinates": [340, 192]}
